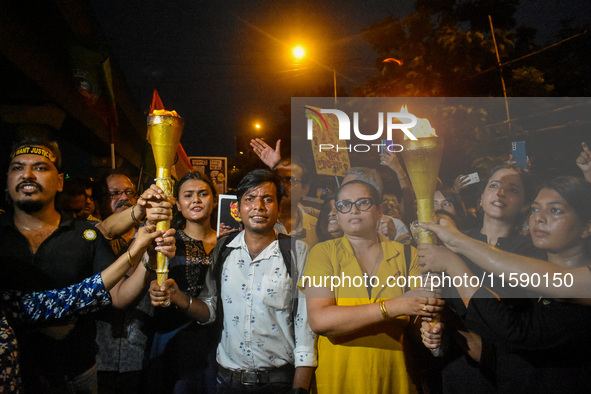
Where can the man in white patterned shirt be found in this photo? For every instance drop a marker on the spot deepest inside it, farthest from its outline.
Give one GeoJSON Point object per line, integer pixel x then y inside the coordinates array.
{"type": "Point", "coordinates": [264, 345]}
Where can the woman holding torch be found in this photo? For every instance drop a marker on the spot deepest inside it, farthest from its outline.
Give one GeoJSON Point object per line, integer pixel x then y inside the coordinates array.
{"type": "Point", "coordinates": [543, 345]}
{"type": "Point", "coordinates": [181, 348]}
{"type": "Point", "coordinates": [360, 323]}
{"type": "Point", "coordinates": [504, 202]}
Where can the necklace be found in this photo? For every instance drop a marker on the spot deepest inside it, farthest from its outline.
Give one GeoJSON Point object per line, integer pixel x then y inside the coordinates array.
{"type": "Point", "coordinates": [375, 264]}
{"type": "Point", "coordinates": [204, 238]}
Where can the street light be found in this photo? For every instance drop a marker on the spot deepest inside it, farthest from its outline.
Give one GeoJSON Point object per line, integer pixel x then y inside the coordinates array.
{"type": "Point", "coordinates": [299, 53]}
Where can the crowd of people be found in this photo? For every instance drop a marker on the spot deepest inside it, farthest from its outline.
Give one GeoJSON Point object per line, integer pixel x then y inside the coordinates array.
{"type": "Point", "coordinates": [328, 299]}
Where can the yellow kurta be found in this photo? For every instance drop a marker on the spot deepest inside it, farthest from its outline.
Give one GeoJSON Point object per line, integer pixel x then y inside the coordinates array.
{"type": "Point", "coordinates": [369, 360]}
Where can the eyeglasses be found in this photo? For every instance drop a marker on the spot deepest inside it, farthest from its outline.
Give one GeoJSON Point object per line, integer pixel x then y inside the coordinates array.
{"type": "Point", "coordinates": [289, 180]}
{"type": "Point", "coordinates": [363, 204]}
{"type": "Point", "coordinates": [116, 193]}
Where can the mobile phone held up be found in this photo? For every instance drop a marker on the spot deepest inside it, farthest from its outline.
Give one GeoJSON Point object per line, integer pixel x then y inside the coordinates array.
{"type": "Point", "coordinates": [472, 178]}
{"type": "Point", "coordinates": [518, 151]}
{"type": "Point", "coordinates": [384, 144]}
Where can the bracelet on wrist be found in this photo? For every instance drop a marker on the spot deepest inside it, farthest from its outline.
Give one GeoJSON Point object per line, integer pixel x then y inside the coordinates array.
{"type": "Point", "coordinates": [129, 259]}
{"type": "Point", "coordinates": [188, 306]}
{"type": "Point", "coordinates": [384, 311]}
{"type": "Point", "coordinates": [135, 220]}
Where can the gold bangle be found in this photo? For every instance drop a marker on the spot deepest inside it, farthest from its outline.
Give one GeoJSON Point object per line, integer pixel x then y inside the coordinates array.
{"type": "Point", "coordinates": [137, 222]}
{"type": "Point", "coordinates": [188, 306]}
{"type": "Point", "coordinates": [385, 314]}
{"type": "Point", "coordinates": [129, 259]}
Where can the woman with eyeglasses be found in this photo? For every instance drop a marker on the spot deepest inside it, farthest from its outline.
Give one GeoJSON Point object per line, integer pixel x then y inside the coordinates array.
{"type": "Point", "coordinates": [360, 322]}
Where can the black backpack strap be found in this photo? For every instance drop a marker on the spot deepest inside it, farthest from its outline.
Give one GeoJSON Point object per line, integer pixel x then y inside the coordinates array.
{"type": "Point", "coordinates": [219, 255]}
{"type": "Point", "coordinates": [286, 247]}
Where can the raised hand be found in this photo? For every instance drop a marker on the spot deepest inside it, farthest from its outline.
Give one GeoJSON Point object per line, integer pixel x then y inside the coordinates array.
{"type": "Point", "coordinates": [461, 182]}
{"type": "Point", "coordinates": [267, 155]}
{"type": "Point", "coordinates": [390, 160]}
{"type": "Point", "coordinates": [387, 228]}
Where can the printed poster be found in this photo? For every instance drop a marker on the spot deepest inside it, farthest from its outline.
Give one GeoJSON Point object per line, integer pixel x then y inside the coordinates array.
{"type": "Point", "coordinates": [214, 167]}
{"type": "Point", "coordinates": [228, 217]}
{"type": "Point", "coordinates": [325, 130]}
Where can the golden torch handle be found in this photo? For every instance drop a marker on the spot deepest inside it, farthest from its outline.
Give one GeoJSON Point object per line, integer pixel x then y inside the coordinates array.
{"type": "Point", "coordinates": [423, 158]}
{"type": "Point", "coordinates": [426, 214]}
{"type": "Point", "coordinates": [164, 182]}
{"type": "Point", "coordinates": [164, 132]}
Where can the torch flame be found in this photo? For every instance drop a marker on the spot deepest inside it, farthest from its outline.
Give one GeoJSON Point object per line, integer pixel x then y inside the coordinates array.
{"type": "Point", "coordinates": [422, 129]}
{"type": "Point", "coordinates": [163, 112]}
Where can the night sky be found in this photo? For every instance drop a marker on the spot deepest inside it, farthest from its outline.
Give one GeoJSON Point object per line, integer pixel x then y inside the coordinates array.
{"type": "Point", "coordinates": [225, 65]}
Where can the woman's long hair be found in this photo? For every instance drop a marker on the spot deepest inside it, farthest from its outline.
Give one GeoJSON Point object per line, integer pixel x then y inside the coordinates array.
{"type": "Point", "coordinates": [178, 220]}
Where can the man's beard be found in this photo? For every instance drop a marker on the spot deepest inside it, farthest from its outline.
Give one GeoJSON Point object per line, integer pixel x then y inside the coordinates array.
{"type": "Point", "coordinates": [29, 206]}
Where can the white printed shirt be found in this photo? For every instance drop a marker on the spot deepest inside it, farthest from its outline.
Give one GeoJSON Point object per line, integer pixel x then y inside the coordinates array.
{"type": "Point", "coordinates": [258, 322]}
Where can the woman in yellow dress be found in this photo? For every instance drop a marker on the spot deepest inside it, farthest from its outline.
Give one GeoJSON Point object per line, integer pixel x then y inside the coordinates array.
{"type": "Point", "coordinates": [360, 320]}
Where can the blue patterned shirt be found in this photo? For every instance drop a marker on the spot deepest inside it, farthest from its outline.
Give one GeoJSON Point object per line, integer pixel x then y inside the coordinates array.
{"type": "Point", "coordinates": [82, 298]}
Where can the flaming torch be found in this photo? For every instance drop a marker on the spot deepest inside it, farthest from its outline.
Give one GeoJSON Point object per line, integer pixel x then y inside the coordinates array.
{"type": "Point", "coordinates": [164, 133]}
{"type": "Point", "coordinates": [423, 158]}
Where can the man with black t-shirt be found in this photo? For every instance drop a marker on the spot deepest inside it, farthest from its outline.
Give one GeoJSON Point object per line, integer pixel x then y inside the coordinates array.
{"type": "Point", "coordinates": [43, 249]}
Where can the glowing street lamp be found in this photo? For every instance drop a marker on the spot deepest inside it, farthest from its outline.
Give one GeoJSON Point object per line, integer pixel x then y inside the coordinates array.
{"type": "Point", "coordinates": [298, 52]}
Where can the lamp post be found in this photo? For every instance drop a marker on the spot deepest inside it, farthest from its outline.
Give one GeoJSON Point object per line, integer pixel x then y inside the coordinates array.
{"type": "Point", "coordinates": [298, 53]}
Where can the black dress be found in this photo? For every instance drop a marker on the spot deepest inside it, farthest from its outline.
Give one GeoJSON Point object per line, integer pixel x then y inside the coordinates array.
{"type": "Point", "coordinates": [182, 359]}
{"type": "Point", "coordinates": [457, 372]}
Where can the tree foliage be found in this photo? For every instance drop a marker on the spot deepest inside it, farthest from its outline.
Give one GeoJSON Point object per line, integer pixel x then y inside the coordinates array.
{"type": "Point", "coordinates": [446, 49]}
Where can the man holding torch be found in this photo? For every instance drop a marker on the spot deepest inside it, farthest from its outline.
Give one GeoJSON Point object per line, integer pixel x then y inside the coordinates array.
{"type": "Point", "coordinates": [266, 344]}
{"type": "Point", "coordinates": [43, 249]}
